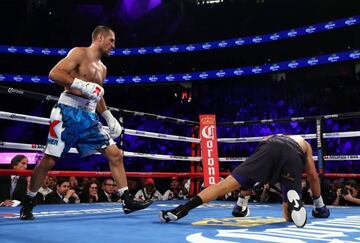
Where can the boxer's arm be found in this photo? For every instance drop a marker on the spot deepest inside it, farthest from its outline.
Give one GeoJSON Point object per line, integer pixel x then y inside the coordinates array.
{"type": "Point", "coordinates": [311, 173]}
{"type": "Point", "coordinates": [286, 214]}
{"type": "Point", "coordinates": [112, 122]}
{"type": "Point", "coordinates": [101, 105]}
{"type": "Point", "coordinates": [60, 73]}
{"type": "Point", "coordinates": [319, 210]}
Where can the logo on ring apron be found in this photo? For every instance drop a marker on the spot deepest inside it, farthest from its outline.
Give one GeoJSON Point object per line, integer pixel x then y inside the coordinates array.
{"type": "Point", "coordinates": [209, 151]}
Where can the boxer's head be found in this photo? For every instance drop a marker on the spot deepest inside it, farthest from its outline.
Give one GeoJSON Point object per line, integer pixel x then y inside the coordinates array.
{"type": "Point", "coordinates": [104, 38]}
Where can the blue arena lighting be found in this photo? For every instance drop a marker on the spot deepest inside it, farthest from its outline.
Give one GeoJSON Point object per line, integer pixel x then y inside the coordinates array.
{"type": "Point", "coordinates": [242, 41]}
{"type": "Point", "coordinates": [211, 74]}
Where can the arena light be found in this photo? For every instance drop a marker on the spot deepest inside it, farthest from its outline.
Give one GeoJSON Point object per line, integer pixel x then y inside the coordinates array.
{"type": "Point", "coordinates": [203, 2]}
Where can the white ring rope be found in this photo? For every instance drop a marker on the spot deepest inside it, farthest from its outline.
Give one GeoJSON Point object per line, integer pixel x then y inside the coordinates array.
{"type": "Point", "coordinates": [24, 118]}
{"type": "Point", "coordinates": [46, 121]}
{"type": "Point", "coordinates": [39, 147]}
{"type": "Point", "coordinates": [161, 136]}
{"type": "Point", "coordinates": [349, 134]}
{"type": "Point", "coordinates": [326, 157]}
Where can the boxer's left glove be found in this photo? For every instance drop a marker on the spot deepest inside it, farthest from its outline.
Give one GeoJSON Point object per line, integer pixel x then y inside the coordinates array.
{"type": "Point", "coordinates": [322, 212]}
{"type": "Point", "coordinates": [113, 124]}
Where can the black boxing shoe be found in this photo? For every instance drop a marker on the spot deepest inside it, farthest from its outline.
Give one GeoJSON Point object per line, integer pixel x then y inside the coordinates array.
{"type": "Point", "coordinates": [240, 211]}
{"type": "Point", "coordinates": [130, 205]}
{"type": "Point", "coordinates": [26, 209]}
{"type": "Point", "coordinates": [296, 209]}
{"type": "Point", "coordinates": [172, 215]}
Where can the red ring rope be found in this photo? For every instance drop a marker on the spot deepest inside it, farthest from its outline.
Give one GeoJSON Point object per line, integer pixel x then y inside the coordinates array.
{"type": "Point", "coordinates": [140, 174]}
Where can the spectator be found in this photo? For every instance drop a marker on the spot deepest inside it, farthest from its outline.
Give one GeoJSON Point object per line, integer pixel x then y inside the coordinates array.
{"type": "Point", "coordinates": [133, 186]}
{"type": "Point", "coordinates": [83, 183]}
{"type": "Point", "coordinates": [74, 184]}
{"type": "Point", "coordinates": [14, 187]}
{"type": "Point", "coordinates": [306, 196]}
{"type": "Point", "coordinates": [148, 192]}
{"type": "Point", "coordinates": [63, 194]}
{"type": "Point", "coordinates": [327, 192]}
{"type": "Point", "coordinates": [348, 195]}
{"type": "Point", "coordinates": [233, 196]}
{"type": "Point", "coordinates": [271, 194]}
{"type": "Point", "coordinates": [107, 194]}
{"type": "Point", "coordinates": [176, 191]}
{"type": "Point", "coordinates": [43, 191]}
{"type": "Point", "coordinates": [90, 193]}
{"type": "Point", "coordinates": [52, 182]}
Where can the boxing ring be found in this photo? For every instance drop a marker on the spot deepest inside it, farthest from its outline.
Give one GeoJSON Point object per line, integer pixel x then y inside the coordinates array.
{"type": "Point", "coordinates": [211, 222]}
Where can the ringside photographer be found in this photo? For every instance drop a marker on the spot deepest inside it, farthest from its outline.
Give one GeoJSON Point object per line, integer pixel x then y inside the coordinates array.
{"type": "Point", "coordinates": [348, 195]}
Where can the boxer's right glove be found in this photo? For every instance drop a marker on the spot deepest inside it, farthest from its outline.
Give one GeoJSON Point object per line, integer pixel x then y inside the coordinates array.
{"type": "Point", "coordinates": [90, 90]}
{"type": "Point", "coordinates": [322, 212]}
{"type": "Point", "coordinates": [113, 124]}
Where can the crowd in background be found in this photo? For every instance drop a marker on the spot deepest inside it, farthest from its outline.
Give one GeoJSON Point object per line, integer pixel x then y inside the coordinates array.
{"type": "Point", "coordinates": [257, 100]}
{"type": "Point", "coordinates": [63, 190]}
{"type": "Point", "coordinates": [250, 99]}
{"type": "Point", "coordinates": [234, 100]}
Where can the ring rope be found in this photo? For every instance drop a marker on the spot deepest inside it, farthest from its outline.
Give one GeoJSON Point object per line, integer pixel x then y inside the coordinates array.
{"type": "Point", "coordinates": [292, 119]}
{"type": "Point", "coordinates": [348, 134]}
{"type": "Point", "coordinates": [46, 121]}
{"type": "Point", "coordinates": [104, 173]}
{"type": "Point", "coordinates": [39, 147]}
{"type": "Point", "coordinates": [325, 157]}
{"type": "Point", "coordinates": [141, 174]}
{"type": "Point", "coordinates": [161, 136]}
{"type": "Point", "coordinates": [44, 97]}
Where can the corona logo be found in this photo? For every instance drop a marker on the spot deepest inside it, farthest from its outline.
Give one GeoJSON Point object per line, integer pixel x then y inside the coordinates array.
{"type": "Point", "coordinates": [208, 132]}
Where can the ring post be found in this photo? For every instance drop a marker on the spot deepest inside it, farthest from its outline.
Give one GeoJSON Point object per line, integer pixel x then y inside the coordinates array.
{"type": "Point", "coordinates": [195, 165]}
{"type": "Point", "coordinates": [319, 145]}
{"type": "Point", "coordinates": [209, 150]}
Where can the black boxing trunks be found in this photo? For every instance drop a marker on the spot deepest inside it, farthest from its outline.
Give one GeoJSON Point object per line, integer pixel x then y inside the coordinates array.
{"type": "Point", "coordinates": [278, 159]}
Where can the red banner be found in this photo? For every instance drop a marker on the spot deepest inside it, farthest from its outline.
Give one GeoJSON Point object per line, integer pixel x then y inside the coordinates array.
{"type": "Point", "coordinates": [209, 150]}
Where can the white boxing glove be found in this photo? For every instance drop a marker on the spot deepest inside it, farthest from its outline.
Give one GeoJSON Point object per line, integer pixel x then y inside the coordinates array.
{"type": "Point", "coordinates": [113, 124]}
{"type": "Point", "coordinates": [90, 90]}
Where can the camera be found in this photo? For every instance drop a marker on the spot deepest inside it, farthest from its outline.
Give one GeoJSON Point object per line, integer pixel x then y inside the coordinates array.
{"type": "Point", "coordinates": [344, 191]}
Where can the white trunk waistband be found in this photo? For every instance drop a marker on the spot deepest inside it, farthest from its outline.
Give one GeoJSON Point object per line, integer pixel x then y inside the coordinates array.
{"type": "Point", "coordinates": [77, 102]}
